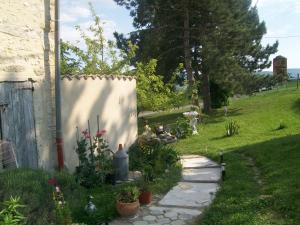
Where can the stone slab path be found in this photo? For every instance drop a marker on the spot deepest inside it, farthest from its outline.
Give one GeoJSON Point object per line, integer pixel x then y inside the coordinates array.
{"type": "Point", "coordinates": [184, 202]}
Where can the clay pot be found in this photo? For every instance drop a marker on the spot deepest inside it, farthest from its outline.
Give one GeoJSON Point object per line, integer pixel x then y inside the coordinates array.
{"type": "Point", "coordinates": [128, 209]}
{"type": "Point", "coordinates": [145, 197]}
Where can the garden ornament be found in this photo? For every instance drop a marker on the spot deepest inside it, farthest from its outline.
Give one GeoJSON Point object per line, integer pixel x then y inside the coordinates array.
{"type": "Point", "coordinates": [90, 207]}
{"type": "Point", "coordinates": [192, 116]}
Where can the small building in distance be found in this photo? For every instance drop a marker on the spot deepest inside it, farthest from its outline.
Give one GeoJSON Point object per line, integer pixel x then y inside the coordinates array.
{"type": "Point", "coordinates": [280, 68]}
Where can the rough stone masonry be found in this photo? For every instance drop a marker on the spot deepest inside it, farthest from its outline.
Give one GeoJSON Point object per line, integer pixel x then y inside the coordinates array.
{"type": "Point", "coordinates": [27, 51]}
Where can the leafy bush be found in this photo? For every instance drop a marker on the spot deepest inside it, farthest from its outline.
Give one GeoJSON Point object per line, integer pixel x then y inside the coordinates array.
{"type": "Point", "coordinates": [128, 194]}
{"type": "Point", "coordinates": [10, 215]}
{"type": "Point", "coordinates": [159, 157]}
{"type": "Point", "coordinates": [33, 189]}
{"type": "Point", "coordinates": [219, 95]}
{"type": "Point", "coordinates": [232, 128]}
{"type": "Point", "coordinates": [183, 128]}
{"type": "Point", "coordinates": [95, 160]}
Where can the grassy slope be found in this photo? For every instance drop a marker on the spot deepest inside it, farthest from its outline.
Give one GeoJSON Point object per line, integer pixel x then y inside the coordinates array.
{"type": "Point", "coordinates": [275, 153]}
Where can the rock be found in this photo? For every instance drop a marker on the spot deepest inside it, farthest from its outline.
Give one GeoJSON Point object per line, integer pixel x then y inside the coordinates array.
{"type": "Point", "coordinates": [178, 222]}
{"type": "Point", "coordinates": [149, 218]}
{"type": "Point", "coordinates": [140, 223]}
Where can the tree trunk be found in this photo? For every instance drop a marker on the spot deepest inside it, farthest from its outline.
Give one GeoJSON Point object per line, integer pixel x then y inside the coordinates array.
{"type": "Point", "coordinates": [206, 93]}
{"type": "Point", "coordinates": [186, 39]}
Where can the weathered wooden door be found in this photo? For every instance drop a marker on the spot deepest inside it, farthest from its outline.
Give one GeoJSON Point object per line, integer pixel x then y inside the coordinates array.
{"type": "Point", "coordinates": [17, 121]}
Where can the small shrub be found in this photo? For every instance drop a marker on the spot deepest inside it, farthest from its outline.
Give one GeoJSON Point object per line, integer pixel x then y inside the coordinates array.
{"type": "Point", "coordinates": [95, 160]}
{"type": "Point", "coordinates": [11, 215]}
{"type": "Point", "coordinates": [232, 128]}
{"type": "Point", "coordinates": [183, 128]}
{"type": "Point", "coordinates": [159, 157]}
{"type": "Point", "coordinates": [61, 208]}
{"type": "Point", "coordinates": [128, 194]}
{"type": "Point", "coordinates": [281, 126]}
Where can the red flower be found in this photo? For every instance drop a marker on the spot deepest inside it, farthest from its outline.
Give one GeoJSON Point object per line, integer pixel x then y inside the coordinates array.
{"type": "Point", "coordinates": [52, 182]}
{"type": "Point", "coordinates": [100, 133]}
{"type": "Point", "coordinates": [86, 134]}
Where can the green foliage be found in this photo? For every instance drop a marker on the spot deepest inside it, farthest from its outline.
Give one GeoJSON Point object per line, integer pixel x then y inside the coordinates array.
{"type": "Point", "coordinates": [95, 160]}
{"type": "Point", "coordinates": [241, 199]}
{"type": "Point", "coordinates": [35, 192]}
{"type": "Point", "coordinates": [128, 194]}
{"type": "Point", "coordinates": [252, 83]}
{"type": "Point", "coordinates": [158, 157]}
{"type": "Point", "coordinates": [11, 215]}
{"type": "Point", "coordinates": [229, 48]}
{"type": "Point", "coordinates": [152, 93]}
{"type": "Point", "coordinates": [61, 208]}
{"type": "Point", "coordinates": [183, 128]}
{"type": "Point", "coordinates": [219, 95]}
{"type": "Point", "coordinates": [100, 55]}
{"type": "Point", "coordinates": [232, 128]}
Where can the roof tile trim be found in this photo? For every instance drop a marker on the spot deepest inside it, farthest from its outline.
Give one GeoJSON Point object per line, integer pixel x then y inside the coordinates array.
{"type": "Point", "coordinates": [107, 77]}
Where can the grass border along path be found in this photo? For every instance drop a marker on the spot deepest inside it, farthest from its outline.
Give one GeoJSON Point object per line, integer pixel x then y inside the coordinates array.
{"type": "Point", "coordinates": [263, 176]}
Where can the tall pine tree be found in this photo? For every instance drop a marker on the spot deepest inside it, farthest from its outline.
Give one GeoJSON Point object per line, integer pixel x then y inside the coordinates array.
{"type": "Point", "coordinates": [216, 40]}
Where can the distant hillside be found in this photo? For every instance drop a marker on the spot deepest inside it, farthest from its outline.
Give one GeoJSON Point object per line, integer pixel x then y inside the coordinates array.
{"type": "Point", "coordinates": [292, 71]}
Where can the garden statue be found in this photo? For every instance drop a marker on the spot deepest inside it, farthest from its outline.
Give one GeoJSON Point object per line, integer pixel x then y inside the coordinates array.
{"type": "Point", "coordinates": [192, 116]}
{"type": "Point", "coordinates": [90, 207]}
{"type": "Point", "coordinates": [164, 134]}
{"type": "Point", "coordinates": [148, 134]}
{"type": "Point", "coordinates": [225, 110]}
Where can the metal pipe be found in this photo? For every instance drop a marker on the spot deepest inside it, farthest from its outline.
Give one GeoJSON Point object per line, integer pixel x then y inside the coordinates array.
{"type": "Point", "coordinates": [59, 135]}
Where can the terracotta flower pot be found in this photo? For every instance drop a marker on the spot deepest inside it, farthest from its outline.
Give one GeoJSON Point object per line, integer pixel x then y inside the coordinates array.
{"type": "Point", "coordinates": [128, 209]}
{"type": "Point", "coordinates": [145, 197]}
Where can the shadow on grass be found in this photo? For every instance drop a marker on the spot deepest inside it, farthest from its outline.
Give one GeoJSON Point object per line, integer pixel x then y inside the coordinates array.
{"type": "Point", "coordinates": [296, 107]}
{"type": "Point", "coordinates": [164, 119]}
{"type": "Point", "coordinates": [240, 200]}
{"type": "Point", "coordinates": [218, 116]}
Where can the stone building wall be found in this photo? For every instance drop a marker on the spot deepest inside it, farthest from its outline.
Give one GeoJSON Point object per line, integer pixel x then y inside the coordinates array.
{"type": "Point", "coordinates": [27, 51]}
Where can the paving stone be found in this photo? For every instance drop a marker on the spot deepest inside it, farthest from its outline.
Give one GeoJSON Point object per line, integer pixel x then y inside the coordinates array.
{"type": "Point", "coordinates": [193, 212]}
{"type": "Point", "coordinates": [171, 209]}
{"type": "Point", "coordinates": [204, 174]}
{"type": "Point", "coordinates": [163, 220]}
{"type": "Point", "coordinates": [140, 223]}
{"type": "Point", "coordinates": [149, 218]}
{"type": "Point", "coordinates": [185, 217]}
{"type": "Point", "coordinates": [193, 161]}
{"type": "Point", "coordinates": [187, 194]}
{"type": "Point", "coordinates": [178, 222]}
{"type": "Point", "coordinates": [156, 212]}
{"type": "Point", "coordinates": [172, 215]}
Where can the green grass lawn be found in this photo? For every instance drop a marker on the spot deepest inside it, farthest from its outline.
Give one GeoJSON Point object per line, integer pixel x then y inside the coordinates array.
{"type": "Point", "coordinates": [263, 175]}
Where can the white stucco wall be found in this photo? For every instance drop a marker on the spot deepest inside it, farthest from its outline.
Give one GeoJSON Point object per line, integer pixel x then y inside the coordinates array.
{"type": "Point", "coordinates": [27, 51]}
{"type": "Point", "coordinates": [112, 98]}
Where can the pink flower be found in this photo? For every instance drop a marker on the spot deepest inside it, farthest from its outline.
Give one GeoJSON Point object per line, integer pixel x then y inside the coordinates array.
{"type": "Point", "coordinates": [86, 134]}
{"type": "Point", "coordinates": [52, 182]}
{"type": "Point", "coordinates": [57, 189]}
{"type": "Point", "coordinates": [100, 133]}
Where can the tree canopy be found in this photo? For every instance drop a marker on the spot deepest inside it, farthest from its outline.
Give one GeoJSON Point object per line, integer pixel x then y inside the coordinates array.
{"type": "Point", "coordinates": [217, 40]}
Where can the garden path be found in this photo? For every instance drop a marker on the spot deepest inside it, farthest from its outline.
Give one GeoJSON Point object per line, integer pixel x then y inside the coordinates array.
{"type": "Point", "coordinates": [184, 202]}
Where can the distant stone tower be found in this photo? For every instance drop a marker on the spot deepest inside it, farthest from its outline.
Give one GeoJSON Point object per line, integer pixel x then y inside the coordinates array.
{"type": "Point", "coordinates": [280, 68]}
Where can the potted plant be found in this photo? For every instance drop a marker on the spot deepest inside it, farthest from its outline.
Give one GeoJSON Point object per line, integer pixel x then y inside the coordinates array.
{"type": "Point", "coordinates": [146, 194]}
{"type": "Point", "coordinates": [127, 201]}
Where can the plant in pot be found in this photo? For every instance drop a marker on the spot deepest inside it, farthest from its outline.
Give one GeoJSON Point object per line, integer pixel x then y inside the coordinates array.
{"type": "Point", "coordinates": [146, 194]}
{"type": "Point", "coordinates": [127, 201]}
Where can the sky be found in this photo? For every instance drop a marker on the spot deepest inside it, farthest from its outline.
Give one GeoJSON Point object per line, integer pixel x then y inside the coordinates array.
{"type": "Point", "coordinates": [282, 18]}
